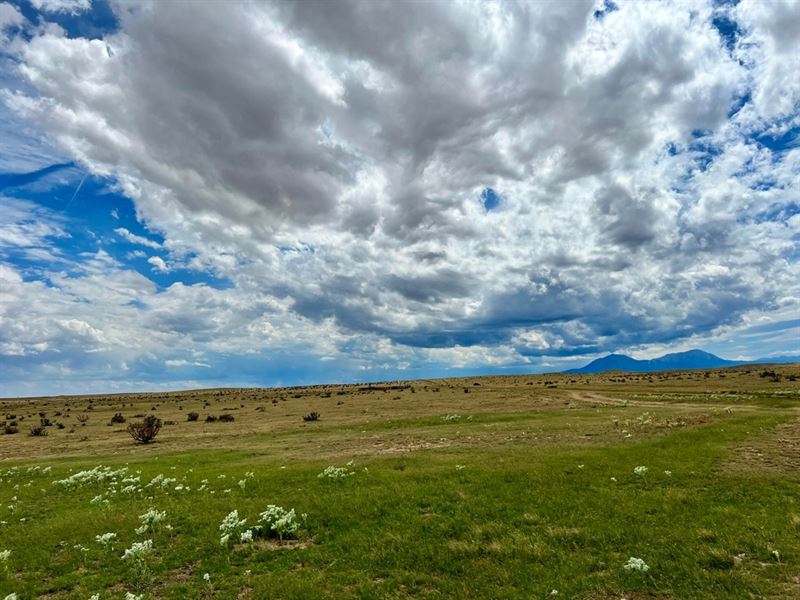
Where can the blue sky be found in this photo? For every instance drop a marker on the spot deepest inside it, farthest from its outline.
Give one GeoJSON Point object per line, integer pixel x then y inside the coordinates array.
{"type": "Point", "coordinates": [284, 194]}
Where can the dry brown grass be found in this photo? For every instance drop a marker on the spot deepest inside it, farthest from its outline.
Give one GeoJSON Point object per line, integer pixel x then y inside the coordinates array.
{"type": "Point", "coordinates": [606, 406]}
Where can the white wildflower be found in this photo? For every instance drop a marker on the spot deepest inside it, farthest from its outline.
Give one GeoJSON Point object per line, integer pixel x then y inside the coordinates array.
{"type": "Point", "coordinates": [332, 472]}
{"type": "Point", "coordinates": [97, 475]}
{"type": "Point", "coordinates": [94, 597]}
{"type": "Point", "coordinates": [106, 538]}
{"type": "Point", "coordinates": [640, 470]}
{"type": "Point", "coordinates": [150, 520]}
{"type": "Point", "coordinates": [246, 536]}
{"type": "Point", "coordinates": [138, 550]}
{"type": "Point", "coordinates": [207, 577]}
{"type": "Point", "coordinates": [279, 521]}
{"type": "Point", "coordinates": [636, 564]}
{"type": "Point", "coordinates": [668, 473]}
{"type": "Point", "coordinates": [230, 525]}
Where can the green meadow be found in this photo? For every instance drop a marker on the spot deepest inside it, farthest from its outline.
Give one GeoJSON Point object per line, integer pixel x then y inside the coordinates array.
{"type": "Point", "coordinates": [681, 485]}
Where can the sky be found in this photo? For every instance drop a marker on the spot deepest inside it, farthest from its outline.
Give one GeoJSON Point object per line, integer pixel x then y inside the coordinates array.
{"type": "Point", "coordinates": [282, 193]}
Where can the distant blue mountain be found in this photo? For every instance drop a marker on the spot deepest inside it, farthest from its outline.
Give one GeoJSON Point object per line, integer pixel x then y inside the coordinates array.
{"type": "Point", "coordinates": [692, 359]}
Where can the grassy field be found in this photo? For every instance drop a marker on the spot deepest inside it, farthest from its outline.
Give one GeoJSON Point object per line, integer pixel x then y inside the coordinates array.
{"type": "Point", "coordinates": [496, 487]}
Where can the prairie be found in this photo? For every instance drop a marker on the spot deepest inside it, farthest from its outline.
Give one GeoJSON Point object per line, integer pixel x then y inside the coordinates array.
{"type": "Point", "coordinates": [640, 486]}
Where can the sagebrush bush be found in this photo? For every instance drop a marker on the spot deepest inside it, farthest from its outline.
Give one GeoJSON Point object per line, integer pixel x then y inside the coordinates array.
{"type": "Point", "coordinates": [192, 416]}
{"type": "Point", "coordinates": [226, 418]}
{"type": "Point", "coordinates": [38, 431]}
{"type": "Point", "coordinates": [312, 416]}
{"type": "Point", "coordinates": [10, 429]}
{"type": "Point", "coordinates": [118, 418]}
{"type": "Point", "coordinates": [145, 431]}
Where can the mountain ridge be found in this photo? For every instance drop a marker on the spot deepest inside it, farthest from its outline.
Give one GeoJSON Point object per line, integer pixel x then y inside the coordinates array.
{"type": "Point", "coordinates": [675, 361]}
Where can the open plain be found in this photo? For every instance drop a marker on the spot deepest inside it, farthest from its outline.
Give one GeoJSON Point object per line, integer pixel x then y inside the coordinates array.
{"type": "Point", "coordinates": [639, 486]}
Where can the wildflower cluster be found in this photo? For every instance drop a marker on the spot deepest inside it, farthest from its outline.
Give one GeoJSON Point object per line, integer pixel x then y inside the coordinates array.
{"type": "Point", "coordinates": [99, 474]}
{"type": "Point", "coordinates": [138, 550]}
{"type": "Point", "coordinates": [451, 418]}
{"type": "Point", "coordinates": [150, 520]}
{"type": "Point", "coordinates": [636, 564]}
{"type": "Point", "coordinates": [640, 470]}
{"type": "Point", "coordinates": [106, 539]}
{"type": "Point", "coordinates": [230, 526]}
{"type": "Point", "coordinates": [280, 522]}
{"type": "Point", "coordinates": [332, 472]}
{"type": "Point", "coordinates": [275, 522]}
{"type": "Point", "coordinates": [162, 481]}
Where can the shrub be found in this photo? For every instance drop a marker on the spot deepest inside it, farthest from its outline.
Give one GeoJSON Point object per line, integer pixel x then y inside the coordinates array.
{"type": "Point", "coordinates": [192, 416]}
{"type": "Point", "coordinates": [210, 419]}
{"type": "Point", "coordinates": [38, 431]}
{"type": "Point", "coordinates": [312, 416]}
{"type": "Point", "coordinates": [82, 419]}
{"type": "Point", "coordinates": [145, 431]}
{"type": "Point", "coordinates": [45, 422]}
{"type": "Point", "coordinates": [118, 418]}
{"type": "Point", "coordinates": [226, 418]}
{"type": "Point", "coordinates": [10, 429]}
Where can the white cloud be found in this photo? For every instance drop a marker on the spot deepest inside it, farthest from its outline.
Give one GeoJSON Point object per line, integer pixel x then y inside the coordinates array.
{"type": "Point", "coordinates": [10, 17]}
{"type": "Point", "coordinates": [158, 264]}
{"type": "Point", "coordinates": [185, 363]}
{"type": "Point", "coordinates": [136, 239]}
{"type": "Point", "coordinates": [328, 158]}
{"type": "Point", "coordinates": [72, 7]}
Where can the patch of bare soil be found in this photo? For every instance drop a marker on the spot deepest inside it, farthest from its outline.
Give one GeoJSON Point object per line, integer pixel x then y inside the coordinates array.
{"type": "Point", "coordinates": [625, 596]}
{"type": "Point", "coordinates": [265, 544]}
{"type": "Point", "coordinates": [776, 450]}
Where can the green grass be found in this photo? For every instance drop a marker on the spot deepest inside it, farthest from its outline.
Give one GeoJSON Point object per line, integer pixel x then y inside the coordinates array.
{"type": "Point", "coordinates": [518, 521]}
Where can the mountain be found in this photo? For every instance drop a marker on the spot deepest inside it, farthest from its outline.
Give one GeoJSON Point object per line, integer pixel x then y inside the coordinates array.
{"type": "Point", "coordinates": [691, 359]}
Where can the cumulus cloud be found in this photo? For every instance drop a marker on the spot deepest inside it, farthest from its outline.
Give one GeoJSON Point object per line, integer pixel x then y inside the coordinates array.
{"type": "Point", "coordinates": [158, 264]}
{"type": "Point", "coordinates": [72, 7]}
{"type": "Point", "coordinates": [10, 16]}
{"type": "Point", "coordinates": [332, 159]}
